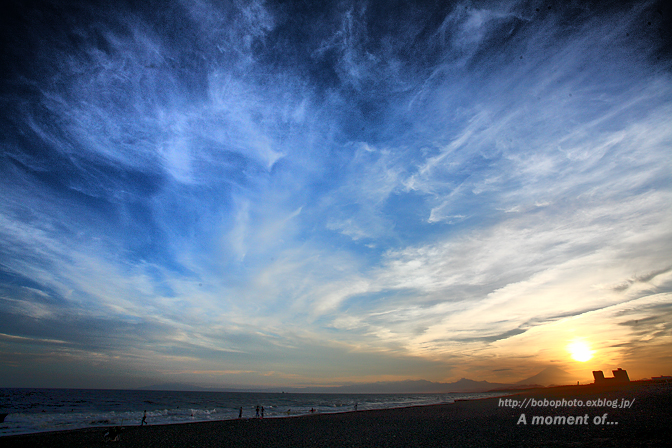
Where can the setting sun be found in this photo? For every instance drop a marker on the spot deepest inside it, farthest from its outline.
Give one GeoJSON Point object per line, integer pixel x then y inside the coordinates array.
{"type": "Point", "coordinates": [580, 351]}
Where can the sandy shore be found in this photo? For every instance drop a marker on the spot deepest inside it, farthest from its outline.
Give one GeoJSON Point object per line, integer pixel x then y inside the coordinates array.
{"type": "Point", "coordinates": [479, 423]}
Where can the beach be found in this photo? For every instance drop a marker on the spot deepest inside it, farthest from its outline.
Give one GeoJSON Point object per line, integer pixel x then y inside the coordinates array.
{"type": "Point", "coordinates": [634, 415]}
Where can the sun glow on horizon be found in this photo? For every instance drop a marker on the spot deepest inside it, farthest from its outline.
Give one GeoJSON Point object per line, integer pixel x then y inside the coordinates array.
{"type": "Point", "coordinates": [580, 351]}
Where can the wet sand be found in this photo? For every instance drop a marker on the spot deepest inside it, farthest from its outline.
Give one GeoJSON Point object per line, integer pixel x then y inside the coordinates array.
{"type": "Point", "coordinates": [478, 423]}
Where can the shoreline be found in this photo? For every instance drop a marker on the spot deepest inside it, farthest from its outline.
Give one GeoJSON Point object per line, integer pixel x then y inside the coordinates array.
{"type": "Point", "coordinates": [164, 414]}
{"type": "Point", "coordinates": [193, 422]}
{"type": "Point", "coordinates": [478, 422]}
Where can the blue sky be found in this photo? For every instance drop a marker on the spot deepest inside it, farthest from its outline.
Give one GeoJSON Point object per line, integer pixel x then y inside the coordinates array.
{"type": "Point", "coordinates": [275, 194]}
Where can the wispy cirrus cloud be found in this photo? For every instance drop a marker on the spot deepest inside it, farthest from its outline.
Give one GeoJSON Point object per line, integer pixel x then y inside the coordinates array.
{"type": "Point", "coordinates": [332, 190]}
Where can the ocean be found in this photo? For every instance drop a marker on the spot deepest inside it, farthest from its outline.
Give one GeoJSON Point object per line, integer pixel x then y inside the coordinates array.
{"type": "Point", "coordinates": [38, 410]}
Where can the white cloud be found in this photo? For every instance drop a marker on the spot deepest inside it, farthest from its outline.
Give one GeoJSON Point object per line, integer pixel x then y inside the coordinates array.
{"type": "Point", "coordinates": [223, 196]}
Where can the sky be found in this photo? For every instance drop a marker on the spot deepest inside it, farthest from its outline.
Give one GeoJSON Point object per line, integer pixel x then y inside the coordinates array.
{"type": "Point", "coordinates": [272, 194]}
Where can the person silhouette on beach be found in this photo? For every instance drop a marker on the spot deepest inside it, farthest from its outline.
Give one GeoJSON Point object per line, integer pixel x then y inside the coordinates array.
{"type": "Point", "coordinates": [257, 411]}
{"type": "Point", "coordinates": [240, 412]}
{"type": "Point", "coordinates": [262, 412]}
{"type": "Point", "coordinates": [144, 419]}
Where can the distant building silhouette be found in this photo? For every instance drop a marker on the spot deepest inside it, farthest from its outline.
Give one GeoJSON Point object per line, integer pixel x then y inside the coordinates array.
{"type": "Point", "coordinates": [665, 378]}
{"type": "Point", "coordinates": [620, 377]}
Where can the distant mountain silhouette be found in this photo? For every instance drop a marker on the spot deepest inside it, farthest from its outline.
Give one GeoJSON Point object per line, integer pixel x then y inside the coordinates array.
{"type": "Point", "coordinates": [409, 386]}
{"type": "Point", "coordinates": [181, 387]}
{"type": "Point", "coordinates": [550, 376]}
{"type": "Point", "coordinates": [382, 387]}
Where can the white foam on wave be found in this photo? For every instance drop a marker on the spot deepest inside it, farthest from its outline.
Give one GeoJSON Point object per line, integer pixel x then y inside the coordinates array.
{"type": "Point", "coordinates": [93, 408]}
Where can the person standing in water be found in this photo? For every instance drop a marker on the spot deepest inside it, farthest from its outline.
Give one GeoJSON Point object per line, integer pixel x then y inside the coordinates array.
{"type": "Point", "coordinates": [144, 419]}
{"type": "Point", "coordinates": [240, 412]}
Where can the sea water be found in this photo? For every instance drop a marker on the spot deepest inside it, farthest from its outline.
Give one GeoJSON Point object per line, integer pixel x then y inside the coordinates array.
{"type": "Point", "coordinates": [38, 410]}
